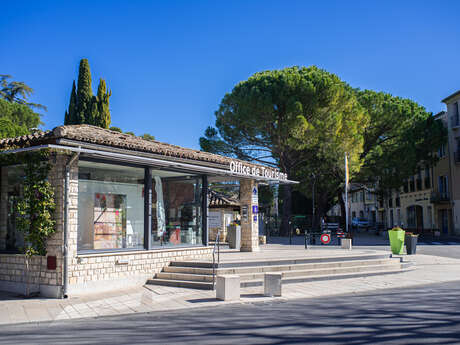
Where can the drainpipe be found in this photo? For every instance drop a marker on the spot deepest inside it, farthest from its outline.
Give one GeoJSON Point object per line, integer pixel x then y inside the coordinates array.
{"type": "Point", "coordinates": [66, 222]}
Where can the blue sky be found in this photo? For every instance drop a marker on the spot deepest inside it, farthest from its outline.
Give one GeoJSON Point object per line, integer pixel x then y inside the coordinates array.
{"type": "Point", "coordinates": [169, 63]}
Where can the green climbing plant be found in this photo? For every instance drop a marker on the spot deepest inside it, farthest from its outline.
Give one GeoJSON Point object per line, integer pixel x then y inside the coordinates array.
{"type": "Point", "coordinates": [36, 208]}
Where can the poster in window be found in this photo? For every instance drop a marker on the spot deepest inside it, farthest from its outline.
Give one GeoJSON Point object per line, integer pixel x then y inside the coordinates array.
{"type": "Point", "coordinates": [109, 221]}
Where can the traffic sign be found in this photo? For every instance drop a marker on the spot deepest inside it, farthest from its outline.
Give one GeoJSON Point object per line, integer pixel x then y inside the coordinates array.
{"type": "Point", "coordinates": [325, 238]}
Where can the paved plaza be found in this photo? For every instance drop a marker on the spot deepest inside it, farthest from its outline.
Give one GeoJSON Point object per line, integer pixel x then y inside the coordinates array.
{"type": "Point", "coordinates": [422, 314]}
{"type": "Point", "coordinates": [152, 299]}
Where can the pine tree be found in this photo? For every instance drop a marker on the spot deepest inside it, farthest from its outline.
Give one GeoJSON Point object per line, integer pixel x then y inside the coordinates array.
{"type": "Point", "coordinates": [70, 115]}
{"type": "Point", "coordinates": [84, 93]}
{"type": "Point", "coordinates": [103, 96]}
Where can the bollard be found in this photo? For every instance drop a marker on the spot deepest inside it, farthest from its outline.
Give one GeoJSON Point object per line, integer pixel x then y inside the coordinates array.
{"type": "Point", "coordinates": [228, 287]}
{"type": "Point", "coordinates": [272, 284]}
{"type": "Point", "coordinates": [346, 243]}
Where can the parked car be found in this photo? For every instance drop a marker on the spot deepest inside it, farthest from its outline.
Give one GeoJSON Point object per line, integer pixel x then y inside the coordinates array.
{"type": "Point", "coordinates": [360, 223]}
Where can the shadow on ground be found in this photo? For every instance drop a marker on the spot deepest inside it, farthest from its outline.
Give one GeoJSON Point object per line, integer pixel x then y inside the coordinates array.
{"type": "Point", "coordinates": [423, 315]}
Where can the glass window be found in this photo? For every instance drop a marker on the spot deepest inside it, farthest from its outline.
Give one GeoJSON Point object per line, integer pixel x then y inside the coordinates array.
{"type": "Point", "coordinates": [110, 206]}
{"type": "Point", "coordinates": [411, 217]}
{"type": "Point", "coordinates": [176, 209]}
{"type": "Point", "coordinates": [11, 192]}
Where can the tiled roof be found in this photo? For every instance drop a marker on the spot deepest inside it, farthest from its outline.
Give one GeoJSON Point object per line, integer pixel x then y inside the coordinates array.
{"type": "Point", "coordinates": [217, 199]}
{"type": "Point", "coordinates": [96, 135]}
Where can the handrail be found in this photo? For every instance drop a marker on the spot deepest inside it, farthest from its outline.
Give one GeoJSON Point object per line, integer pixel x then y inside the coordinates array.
{"type": "Point", "coordinates": [216, 243]}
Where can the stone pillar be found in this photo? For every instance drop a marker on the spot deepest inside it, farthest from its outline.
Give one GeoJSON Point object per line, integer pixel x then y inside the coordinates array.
{"type": "Point", "coordinates": [249, 223]}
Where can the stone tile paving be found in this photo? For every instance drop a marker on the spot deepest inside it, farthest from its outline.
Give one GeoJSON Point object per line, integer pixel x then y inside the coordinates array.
{"type": "Point", "coordinates": [430, 269]}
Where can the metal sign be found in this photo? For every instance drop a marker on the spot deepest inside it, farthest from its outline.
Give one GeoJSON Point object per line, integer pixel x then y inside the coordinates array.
{"type": "Point", "coordinates": [325, 238]}
{"type": "Point", "coordinates": [215, 219]}
{"type": "Point", "coordinates": [340, 234]}
{"type": "Point", "coordinates": [244, 213]}
{"type": "Point", "coordinates": [255, 209]}
{"type": "Point", "coordinates": [255, 196]}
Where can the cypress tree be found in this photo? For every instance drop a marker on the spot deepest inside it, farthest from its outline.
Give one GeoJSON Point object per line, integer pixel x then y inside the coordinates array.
{"type": "Point", "coordinates": [84, 93]}
{"type": "Point", "coordinates": [70, 115]}
{"type": "Point", "coordinates": [103, 96]}
{"type": "Point", "coordinates": [83, 106]}
{"type": "Point", "coordinates": [93, 115]}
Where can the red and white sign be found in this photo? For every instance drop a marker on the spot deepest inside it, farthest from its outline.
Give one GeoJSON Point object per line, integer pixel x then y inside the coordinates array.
{"type": "Point", "coordinates": [325, 238]}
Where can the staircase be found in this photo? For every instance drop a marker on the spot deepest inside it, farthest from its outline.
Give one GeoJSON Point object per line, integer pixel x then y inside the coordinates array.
{"type": "Point", "coordinates": [198, 275]}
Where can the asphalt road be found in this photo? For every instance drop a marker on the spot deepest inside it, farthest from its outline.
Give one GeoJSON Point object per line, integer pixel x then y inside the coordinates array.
{"type": "Point", "coordinates": [422, 315]}
{"type": "Point", "coordinates": [446, 248]}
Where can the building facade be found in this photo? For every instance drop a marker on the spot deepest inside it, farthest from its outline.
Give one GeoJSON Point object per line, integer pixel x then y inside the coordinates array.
{"type": "Point", "coordinates": [442, 184]}
{"type": "Point", "coordinates": [125, 208]}
{"type": "Point", "coordinates": [452, 118]}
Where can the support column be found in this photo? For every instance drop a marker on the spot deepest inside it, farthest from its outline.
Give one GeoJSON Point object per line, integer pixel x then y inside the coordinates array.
{"type": "Point", "coordinates": [249, 216]}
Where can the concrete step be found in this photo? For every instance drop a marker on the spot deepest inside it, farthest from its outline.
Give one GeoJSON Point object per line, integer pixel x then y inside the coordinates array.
{"type": "Point", "coordinates": [328, 271]}
{"type": "Point", "coordinates": [185, 276]}
{"type": "Point", "coordinates": [198, 275]}
{"type": "Point", "coordinates": [291, 272]}
{"type": "Point", "coordinates": [254, 263]}
{"type": "Point", "coordinates": [321, 277]}
{"type": "Point", "coordinates": [181, 283]}
{"type": "Point", "coordinates": [271, 268]}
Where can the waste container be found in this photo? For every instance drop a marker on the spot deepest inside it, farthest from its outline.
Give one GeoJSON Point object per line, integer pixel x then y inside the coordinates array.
{"type": "Point", "coordinates": [234, 236]}
{"type": "Point", "coordinates": [396, 236]}
{"type": "Point", "coordinates": [411, 243]}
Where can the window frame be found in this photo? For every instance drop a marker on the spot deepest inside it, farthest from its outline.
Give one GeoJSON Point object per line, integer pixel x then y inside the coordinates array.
{"type": "Point", "coordinates": [147, 246]}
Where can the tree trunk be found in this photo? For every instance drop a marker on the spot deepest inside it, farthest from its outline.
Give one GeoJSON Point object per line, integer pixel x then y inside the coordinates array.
{"type": "Point", "coordinates": [287, 208]}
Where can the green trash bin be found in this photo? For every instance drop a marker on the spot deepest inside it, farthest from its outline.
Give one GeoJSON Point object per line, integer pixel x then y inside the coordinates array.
{"type": "Point", "coordinates": [396, 236]}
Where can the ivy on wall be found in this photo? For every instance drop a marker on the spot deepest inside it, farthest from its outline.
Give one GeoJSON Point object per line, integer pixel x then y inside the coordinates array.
{"type": "Point", "coordinates": [36, 207]}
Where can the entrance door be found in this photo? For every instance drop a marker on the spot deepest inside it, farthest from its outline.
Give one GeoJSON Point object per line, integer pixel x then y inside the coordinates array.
{"type": "Point", "coordinates": [419, 215]}
{"type": "Point", "coordinates": [444, 218]}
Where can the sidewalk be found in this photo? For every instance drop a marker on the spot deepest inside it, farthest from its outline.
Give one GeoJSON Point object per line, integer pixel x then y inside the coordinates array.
{"type": "Point", "coordinates": [430, 269]}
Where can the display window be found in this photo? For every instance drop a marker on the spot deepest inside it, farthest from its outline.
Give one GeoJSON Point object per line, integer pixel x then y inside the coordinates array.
{"type": "Point", "coordinates": [110, 206]}
{"type": "Point", "coordinates": [176, 210]}
{"type": "Point", "coordinates": [112, 202]}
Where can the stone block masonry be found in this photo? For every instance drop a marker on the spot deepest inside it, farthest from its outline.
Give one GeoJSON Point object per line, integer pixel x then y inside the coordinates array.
{"type": "Point", "coordinates": [109, 271]}
{"type": "Point", "coordinates": [228, 287]}
{"type": "Point", "coordinates": [249, 226]}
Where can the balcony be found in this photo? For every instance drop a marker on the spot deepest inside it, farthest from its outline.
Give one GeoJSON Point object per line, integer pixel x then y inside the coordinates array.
{"type": "Point", "coordinates": [439, 197]}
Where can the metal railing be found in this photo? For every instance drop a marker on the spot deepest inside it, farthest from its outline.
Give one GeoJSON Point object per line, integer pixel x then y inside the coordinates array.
{"type": "Point", "coordinates": [216, 244]}
{"type": "Point", "coordinates": [437, 197]}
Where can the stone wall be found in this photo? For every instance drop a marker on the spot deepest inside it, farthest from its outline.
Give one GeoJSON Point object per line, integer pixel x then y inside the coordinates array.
{"type": "Point", "coordinates": [106, 271]}
{"type": "Point", "coordinates": [13, 273]}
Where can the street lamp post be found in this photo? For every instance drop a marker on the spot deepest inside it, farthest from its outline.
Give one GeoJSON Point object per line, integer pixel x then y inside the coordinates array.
{"type": "Point", "coordinates": [313, 200]}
